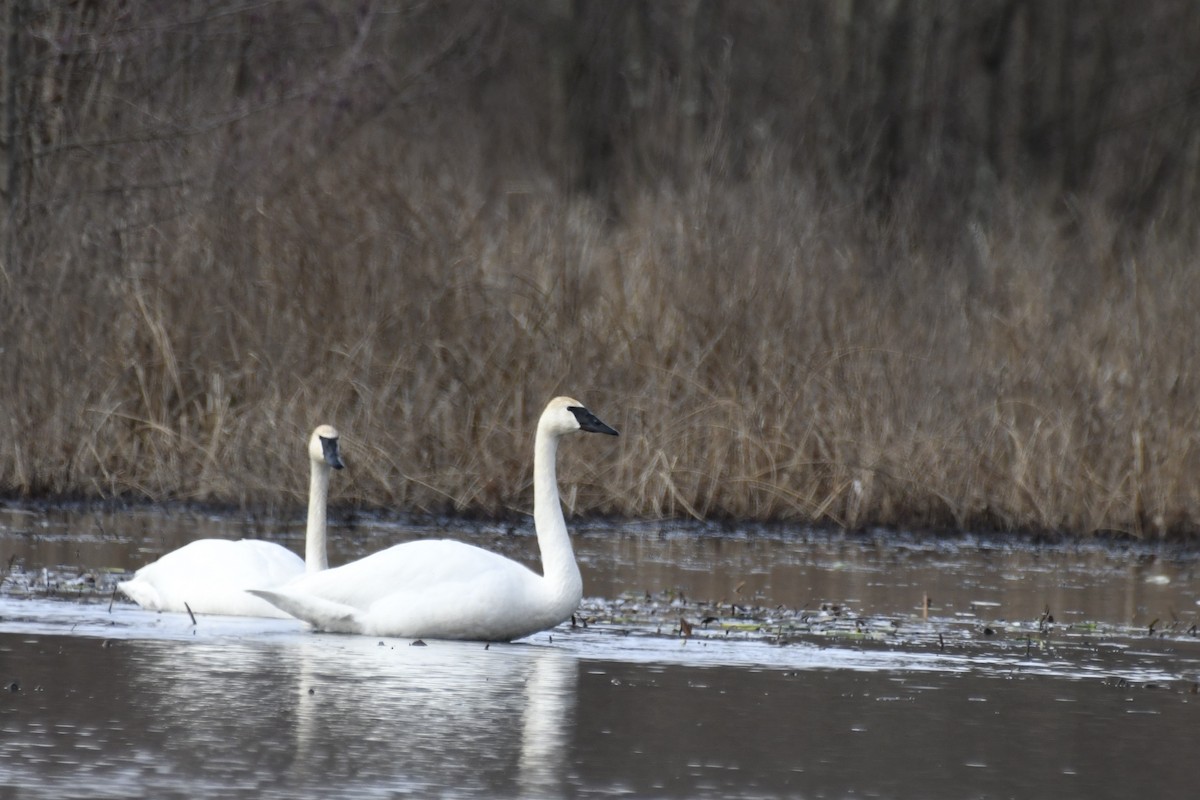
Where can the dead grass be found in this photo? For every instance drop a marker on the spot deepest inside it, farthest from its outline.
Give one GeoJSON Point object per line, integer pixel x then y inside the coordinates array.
{"type": "Point", "coordinates": [764, 357]}
{"type": "Point", "coordinates": [239, 229]}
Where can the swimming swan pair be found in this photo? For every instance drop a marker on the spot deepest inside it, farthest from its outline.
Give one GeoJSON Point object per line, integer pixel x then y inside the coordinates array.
{"type": "Point", "coordinates": [446, 589]}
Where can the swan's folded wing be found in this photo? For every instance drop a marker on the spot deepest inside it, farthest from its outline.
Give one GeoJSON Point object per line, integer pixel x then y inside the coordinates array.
{"type": "Point", "coordinates": [322, 614]}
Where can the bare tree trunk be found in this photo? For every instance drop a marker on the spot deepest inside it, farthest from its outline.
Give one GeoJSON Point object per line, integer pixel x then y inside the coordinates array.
{"type": "Point", "coordinates": [12, 138]}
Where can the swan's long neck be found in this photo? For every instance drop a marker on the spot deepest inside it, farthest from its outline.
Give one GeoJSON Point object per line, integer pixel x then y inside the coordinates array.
{"type": "Point", "coordinates": [315, 558]}
{"type": "Point", "coordinates": [558, 560]}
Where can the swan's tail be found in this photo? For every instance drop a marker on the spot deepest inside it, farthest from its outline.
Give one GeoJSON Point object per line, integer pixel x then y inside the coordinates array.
{"type": "Point", "coordinates": [324, 615]}
{"type": "Point", "coordinates": [142, 593]}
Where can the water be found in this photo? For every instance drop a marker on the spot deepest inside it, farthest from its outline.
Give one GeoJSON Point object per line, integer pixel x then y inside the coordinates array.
{"type": "Point", "coordinates": [821, 675]}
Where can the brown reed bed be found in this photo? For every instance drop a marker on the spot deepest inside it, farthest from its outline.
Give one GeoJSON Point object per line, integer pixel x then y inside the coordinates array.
{"type": "Point", "coordinates": [820, 283]}
{"type": "Point", "coordinates": [765, 357]}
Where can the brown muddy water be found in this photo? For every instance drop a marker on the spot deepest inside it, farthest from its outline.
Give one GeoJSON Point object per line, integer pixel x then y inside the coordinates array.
{"type": "Point", "coordinates": [812, 668]}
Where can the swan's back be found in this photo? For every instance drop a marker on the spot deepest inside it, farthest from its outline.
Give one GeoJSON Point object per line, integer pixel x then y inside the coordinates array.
{"type": "Point", "coordinates": [412, 569]}
{"type": "Point", "coordinates": [439, 588]}
{"type": "Point", "coordinates": [211, 576]}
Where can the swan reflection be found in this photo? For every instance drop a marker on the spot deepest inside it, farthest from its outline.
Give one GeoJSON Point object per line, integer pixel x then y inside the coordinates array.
{"type": "Point", "coordinates": [360, 716]}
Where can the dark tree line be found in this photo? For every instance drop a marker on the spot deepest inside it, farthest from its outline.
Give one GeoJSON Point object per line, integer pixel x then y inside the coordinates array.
{"type": "Point", "coordinates": [114, 108]}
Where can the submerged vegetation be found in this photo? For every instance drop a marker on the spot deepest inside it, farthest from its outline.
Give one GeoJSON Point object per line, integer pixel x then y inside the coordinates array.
{"type": "Point", "coordinates": [920, 265]}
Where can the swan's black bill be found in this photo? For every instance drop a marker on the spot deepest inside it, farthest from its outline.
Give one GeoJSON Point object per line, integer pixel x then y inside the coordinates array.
{"type": "Point", "coordinates": [588, 421]}
{"type": "Point", "coordinates": [330, 448]}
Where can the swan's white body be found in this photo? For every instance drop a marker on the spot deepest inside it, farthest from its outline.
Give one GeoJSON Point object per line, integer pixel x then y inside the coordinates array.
{"type": "Point", "coordinates": [444, 589]}
{"type": "Point", "coordinates": [211, 576]}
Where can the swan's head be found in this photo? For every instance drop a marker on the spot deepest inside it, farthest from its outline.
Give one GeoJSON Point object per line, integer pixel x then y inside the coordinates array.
{"type": "Point", "coordinates": [323, 447]}
{"type": "Point", "coordinates": [565, 415]}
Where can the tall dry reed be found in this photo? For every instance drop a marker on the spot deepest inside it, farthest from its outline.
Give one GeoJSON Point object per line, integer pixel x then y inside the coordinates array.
{"type": "Point", "coordinates": [762, 358]}
{"type": "Point", "coordinates": [187, 306]}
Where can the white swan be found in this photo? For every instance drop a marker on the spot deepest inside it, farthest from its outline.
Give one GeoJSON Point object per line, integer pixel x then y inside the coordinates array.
{"type": "Point", "coordinates": [210, 576]}
{"type": "Point", "coordinates": [444, 589]}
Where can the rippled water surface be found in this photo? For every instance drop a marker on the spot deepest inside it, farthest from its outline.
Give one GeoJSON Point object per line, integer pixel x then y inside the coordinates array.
{"type": "Point", "coordinates": [814, 666]}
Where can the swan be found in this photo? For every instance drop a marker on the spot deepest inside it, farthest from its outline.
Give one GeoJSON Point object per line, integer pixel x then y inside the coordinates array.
{"type": "Point", "coordinates": [210, 576]}
{"type": "Point", "coordinates": [445, 589]}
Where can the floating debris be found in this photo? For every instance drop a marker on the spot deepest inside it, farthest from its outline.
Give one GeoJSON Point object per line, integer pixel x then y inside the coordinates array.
{"type": "Point", "coordinates": [642, 615]}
